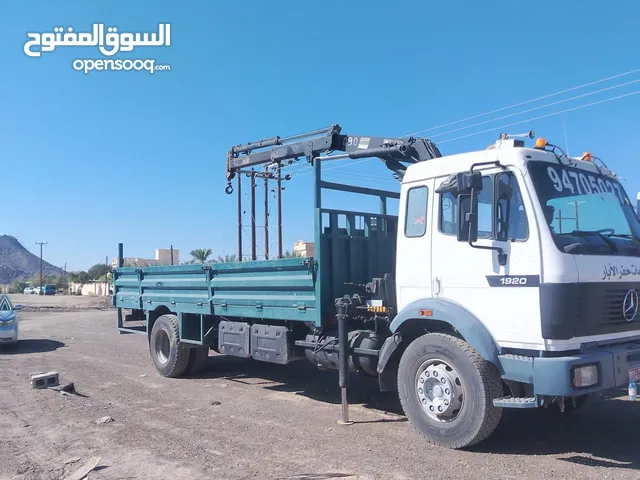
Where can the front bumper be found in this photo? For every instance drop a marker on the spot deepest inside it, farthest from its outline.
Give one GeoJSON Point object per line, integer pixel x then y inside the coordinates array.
{"type": "Point", "coordinates": [553, 376]}
{"type": "Point", "coordinates": [8, 334]}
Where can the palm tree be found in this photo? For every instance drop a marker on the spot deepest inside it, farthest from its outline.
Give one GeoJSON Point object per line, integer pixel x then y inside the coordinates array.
{"type": "Point", "coordinates": [201, 254]}
{"type": "Point", "coordinates": [227, 259]}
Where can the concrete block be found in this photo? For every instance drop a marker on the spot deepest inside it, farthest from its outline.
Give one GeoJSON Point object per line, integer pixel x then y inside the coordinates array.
{"type": "Point", "coordinates": [45, 380]}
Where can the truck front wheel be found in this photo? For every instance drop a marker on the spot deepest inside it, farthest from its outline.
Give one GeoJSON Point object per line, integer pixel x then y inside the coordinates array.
{"type": "Point", "coordinates": [447, 389]}
{"type": "Point", "coordinates": [169, 355]}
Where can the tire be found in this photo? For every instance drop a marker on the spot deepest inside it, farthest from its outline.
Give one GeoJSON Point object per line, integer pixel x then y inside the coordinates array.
{"type": "Point", "coordinates": [455, 373]}
{"type": "Point", "coordinates": [197, 360]}
{"type": "Point", "coordinates": [169, 356]}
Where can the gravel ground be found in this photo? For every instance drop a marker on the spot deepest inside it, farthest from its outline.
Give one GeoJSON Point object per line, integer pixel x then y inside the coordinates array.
{"type": "Point", "coordinates": [242, 419]}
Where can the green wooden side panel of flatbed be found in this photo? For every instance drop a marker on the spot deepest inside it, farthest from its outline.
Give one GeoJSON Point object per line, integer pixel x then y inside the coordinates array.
{"type": "Point", "coordinates": [354, 247]}
{"type": "Point", "coordinates": [282, 289]}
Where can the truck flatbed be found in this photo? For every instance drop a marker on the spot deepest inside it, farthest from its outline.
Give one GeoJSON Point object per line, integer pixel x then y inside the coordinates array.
{"type": "Point", "coordinates": [286, 289]}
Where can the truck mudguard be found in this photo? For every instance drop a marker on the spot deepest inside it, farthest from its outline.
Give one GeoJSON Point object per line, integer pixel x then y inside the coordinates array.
{"type": "Point", "coordinates": [469, 326]}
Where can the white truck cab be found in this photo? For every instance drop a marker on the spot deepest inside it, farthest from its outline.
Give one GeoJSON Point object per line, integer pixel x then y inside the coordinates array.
{"type": "Point", "coordinates": [533, 258]}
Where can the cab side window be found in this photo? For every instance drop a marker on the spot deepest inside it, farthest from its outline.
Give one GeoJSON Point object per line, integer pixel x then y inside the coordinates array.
{"type": "Point", "coordinates": [416, 217]}
{"type": "Point", "coordinates": [511, 222]}
{"type": "Point", "coordinates": [449, 211]}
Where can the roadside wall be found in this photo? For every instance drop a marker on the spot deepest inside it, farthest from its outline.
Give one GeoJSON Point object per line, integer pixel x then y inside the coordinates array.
{"type": "Point", "coordinates": [93, 288]}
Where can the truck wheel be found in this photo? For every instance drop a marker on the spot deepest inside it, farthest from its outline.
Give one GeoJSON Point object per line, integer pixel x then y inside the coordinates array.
{"type": "Point", "coordinates": [197, 360]}
{"type": "Point", "coordinates": [169, 356]}
{"type": "Point", "coordinates": [447, 389]}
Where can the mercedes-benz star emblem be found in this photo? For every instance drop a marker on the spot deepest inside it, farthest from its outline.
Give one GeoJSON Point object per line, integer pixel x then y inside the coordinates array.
{"type": "Point", "coordinates": [630, 305]}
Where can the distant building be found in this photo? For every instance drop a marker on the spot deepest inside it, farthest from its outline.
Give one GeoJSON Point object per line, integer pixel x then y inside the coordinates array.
{"type": "Point", "coordinates": [93, 288]}
{"type": "Point", "coordinates": [163, 257]}
{"type": "Point", "coordinates": [305, 249]}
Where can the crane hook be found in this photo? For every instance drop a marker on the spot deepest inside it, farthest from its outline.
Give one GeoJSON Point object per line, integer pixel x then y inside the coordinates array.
{"type": "Point", "coordinates": [229, 189]}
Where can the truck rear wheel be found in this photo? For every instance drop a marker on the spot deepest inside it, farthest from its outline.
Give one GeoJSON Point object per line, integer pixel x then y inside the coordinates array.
{"type": "Point", "coordinates": [169, 356]}
{"type": "Point", "coordinates": [197, 360]}
{"type": "Point", "coordinates": [447, 389]}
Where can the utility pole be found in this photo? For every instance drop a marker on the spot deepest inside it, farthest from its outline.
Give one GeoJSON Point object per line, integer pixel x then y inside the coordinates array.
{"type": "Point", "coordinates": [253, 215]}
{"type": "Point", "coordinates": [560, 217]}
{"type": "Point", "coordinates": [266, 213]}
{"type": "Point", "coordinates": [560, 220]}
{"type": "Point", "coordinates": [575, 205]}
{"type": "Point", "coordinates": [64, 275]}
{"type": "Point", "coordinates": [240, 218]}
{"type": "Point", "coordinates": [106, 280]}
{"type": "Point", "coordinates": [279, 190]}
{"type": "Point", "coordinates": [41, 244]}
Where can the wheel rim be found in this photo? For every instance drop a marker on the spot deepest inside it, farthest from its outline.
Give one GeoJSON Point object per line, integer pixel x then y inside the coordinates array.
{"type": "Point", "coordinates": [163, 346]}
{"type": "Point", "coordinates": [439, 390]}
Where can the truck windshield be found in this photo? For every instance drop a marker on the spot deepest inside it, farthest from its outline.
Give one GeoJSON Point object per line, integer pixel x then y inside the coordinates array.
{"type": "Point", "coordinates": [588, 213]}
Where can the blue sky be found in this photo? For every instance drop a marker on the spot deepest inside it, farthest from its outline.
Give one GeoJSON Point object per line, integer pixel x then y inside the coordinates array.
{"type": "Point", "coordinates": [93, 160]}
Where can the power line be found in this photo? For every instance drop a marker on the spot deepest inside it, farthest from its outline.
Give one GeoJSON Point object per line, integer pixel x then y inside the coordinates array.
{"type": "Point", "coordinates": [343, 165]}
{"type": "Point", "coordinates": [541, 117]}
{"type": "Point", "coordinates": [537, 108]}
{"type": "Point", "coordinates": [525, 102]}
{"type": "Point", "coordinates": [364, 175]}
{"type": "Point", "coordinates": [491, 129]}
{"type": "Point", "coordinates": [337, 166]}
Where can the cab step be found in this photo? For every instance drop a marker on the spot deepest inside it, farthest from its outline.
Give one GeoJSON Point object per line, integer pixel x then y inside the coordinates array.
{"type": "Point", "coordinates": [516, 402]}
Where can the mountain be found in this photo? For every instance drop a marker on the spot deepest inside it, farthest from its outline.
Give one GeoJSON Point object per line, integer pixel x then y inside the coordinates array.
{"type": "Point", "coordinates": [18, 263]}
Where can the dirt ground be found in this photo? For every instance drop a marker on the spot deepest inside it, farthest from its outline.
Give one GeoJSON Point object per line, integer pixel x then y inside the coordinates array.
{"type": "Point", "coordinates": [242, 419]}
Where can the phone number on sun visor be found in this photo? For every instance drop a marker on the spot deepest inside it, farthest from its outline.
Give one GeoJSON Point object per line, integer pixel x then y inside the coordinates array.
{"type": "Point", "coordinates": [583, 184]}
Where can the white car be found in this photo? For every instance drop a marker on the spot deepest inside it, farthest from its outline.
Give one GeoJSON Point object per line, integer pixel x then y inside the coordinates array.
{"type": "Point", "coordinates": [30, 291]}
{"type": "Point", "coordinates": [8, 322]}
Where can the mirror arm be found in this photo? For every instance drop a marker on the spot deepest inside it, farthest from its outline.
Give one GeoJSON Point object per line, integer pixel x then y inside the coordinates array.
{"type": "Point", "coordinates": [502, 257]}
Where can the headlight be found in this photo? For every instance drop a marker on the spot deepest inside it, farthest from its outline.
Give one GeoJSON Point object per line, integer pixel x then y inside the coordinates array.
{"type": "Point", "coordinates": [586, 376]}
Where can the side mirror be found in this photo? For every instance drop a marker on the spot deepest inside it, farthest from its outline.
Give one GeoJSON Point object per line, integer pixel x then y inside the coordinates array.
{"type": "Point", "coordinates": [461, 184]}
{"type": "Point", "coordinates": [468, 181]}
{"type": "Point", "coordinates": [17, 307]}
{"type": "Point", "coordinates": [467, 221]}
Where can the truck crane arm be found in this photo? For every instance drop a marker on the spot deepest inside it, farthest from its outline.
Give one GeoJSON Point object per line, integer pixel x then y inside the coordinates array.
{"type": "Point", "coordinates": [394, 152]}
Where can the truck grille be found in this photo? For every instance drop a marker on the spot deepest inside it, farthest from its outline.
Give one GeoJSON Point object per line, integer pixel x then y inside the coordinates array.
{"type": "Point", "coordinates": [612, 311]}
{"type": "Point", "coordinates": [585, 309]}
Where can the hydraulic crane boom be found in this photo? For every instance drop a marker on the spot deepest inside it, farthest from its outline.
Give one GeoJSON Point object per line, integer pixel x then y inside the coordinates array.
{"type": "Point", "coordinates": [281, 151]}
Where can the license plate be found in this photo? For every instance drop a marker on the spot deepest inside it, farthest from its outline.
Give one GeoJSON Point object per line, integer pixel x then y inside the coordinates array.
{"type": "Point", "coordinates": [634, 375]}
